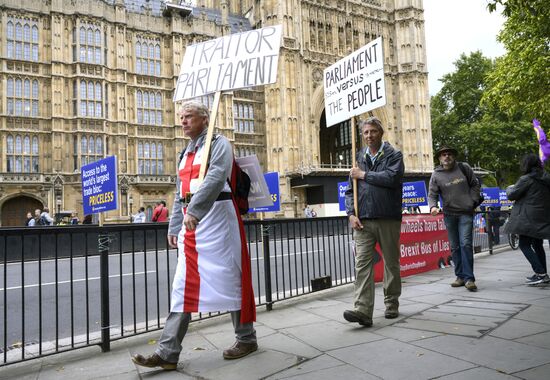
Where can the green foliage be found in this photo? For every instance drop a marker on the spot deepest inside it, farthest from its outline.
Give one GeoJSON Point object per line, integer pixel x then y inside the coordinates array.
{"type": "Point", "coordinates": [498, 146]}
{"type": "Point", "coordinates": [520, 82]}
{"type": "Point", "coordinates": [483, 135]}
{"type": "Point", "coordinates": [458, 101]}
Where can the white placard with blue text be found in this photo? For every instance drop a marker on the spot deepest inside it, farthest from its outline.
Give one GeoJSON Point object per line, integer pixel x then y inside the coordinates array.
{"type": "Point", "coordinates": [99, 186]}
{"type": "Point", "coordinates": [230, 62]}
{"type": "Point", "coordinates": [355, 84]}
{"type": "Point", "coordinates": [272, 181]}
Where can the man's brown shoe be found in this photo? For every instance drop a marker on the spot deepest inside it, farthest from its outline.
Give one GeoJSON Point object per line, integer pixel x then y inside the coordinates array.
{"type": "Point", "coordinates": [471, 286]}
{"type": "Point", "coordinates": [457, 283]}
{"type": "Point", "coordinates": [391, 313]}
{"type": "Point", "coordinates": [153, 361]}
{"type": "Point", "coordinates": [239, 350]}
{"type": "Point", "coordinates": [357, 316]}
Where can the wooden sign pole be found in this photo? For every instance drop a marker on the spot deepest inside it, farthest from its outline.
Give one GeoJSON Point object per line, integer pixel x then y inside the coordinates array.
{"type": "Point", "coordinates": [353, 153]}
{"type": "Point", "coordinates": [209, 134]}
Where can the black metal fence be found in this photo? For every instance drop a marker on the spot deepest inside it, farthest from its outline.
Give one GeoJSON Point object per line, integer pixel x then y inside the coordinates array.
{"type": "Point", "coordinates": [60, 290]}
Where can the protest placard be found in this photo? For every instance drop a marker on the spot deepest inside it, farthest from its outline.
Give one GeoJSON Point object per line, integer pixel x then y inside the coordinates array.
{"type": "Point", "coordinates": [342, 187]}
{"type": "Point", "coordinates": [272, 181]}
{"type": "Point", "coordinates": [231, 62]}
{"type": "Point", "coordinates": [99, 186]}
{"type": "Point", "coordinates": [414, 194]}
{"type": "Point", "coordinates": [259, 195]}
{"type": "Point", "coordinates": [355, 84]}
{"type": "Point", "coordinates": [492, 196]}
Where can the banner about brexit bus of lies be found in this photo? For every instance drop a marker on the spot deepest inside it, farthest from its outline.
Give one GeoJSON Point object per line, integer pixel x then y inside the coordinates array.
{"type": "Point", "coordinates": [99, 186]}
{"type": "Point", "coordinates": [423, 246]}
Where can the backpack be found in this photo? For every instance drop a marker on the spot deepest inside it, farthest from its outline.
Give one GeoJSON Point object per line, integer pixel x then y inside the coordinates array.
{"type": "Point", "coordinates": [468, 176]}
{"type": "Point", "coordinates": [239, 183]}
{"type": "Point", "coordinates": [42, 221]}
{"type": "Point", "coordinates": [240, 187]}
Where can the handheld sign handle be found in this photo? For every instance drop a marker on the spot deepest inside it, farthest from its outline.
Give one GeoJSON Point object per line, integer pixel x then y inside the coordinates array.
{"type": "Point", "coordinates": [353, 138]}
{"type": "Point", "coordinates": [208, 143]}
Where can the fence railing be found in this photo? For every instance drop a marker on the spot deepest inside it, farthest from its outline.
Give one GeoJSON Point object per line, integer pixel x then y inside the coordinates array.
{"type": "Point", "coordinates": [61, 290]}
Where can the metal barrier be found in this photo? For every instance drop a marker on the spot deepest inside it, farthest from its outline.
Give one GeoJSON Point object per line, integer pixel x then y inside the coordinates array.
{"type": "Point", "coordinates": [60, 292]}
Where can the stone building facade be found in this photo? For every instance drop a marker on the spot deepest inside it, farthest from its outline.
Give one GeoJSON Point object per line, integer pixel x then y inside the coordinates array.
{"type": "Point", "coordinates": [81, 80]}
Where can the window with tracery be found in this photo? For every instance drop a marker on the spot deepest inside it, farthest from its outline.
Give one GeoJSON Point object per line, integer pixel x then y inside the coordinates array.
{"type": "Point", "coordinates": [149, 107]}
{"type": "Point", "coordinates": [22, 153]}
{"type": "Point", "coordinates": [22, 96]}
{"type": "Point", "coordinates": [148, 56]}
{"type": "Point", "coordinates": [22, 39]}
{"type": "Point", "coordinates": [91, 149]}
{"type": "Point", "coordinates": [150, 158]}
{"type": "Point", "coordinates": [243, 117]}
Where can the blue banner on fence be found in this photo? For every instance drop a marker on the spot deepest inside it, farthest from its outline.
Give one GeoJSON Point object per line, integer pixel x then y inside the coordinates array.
{"type": "Point", "coordinates": [492, 196]}
{"type": "Point", "coordinates": [342, 187]}
{"type": "Point", "coordinates": [99, 186]}
{"type": "Point", "coordinates": [414, 194]}
{"type": "Point", "coordinates": [272, 180]}
{"type": "Point", "coordinates": [504, 201]}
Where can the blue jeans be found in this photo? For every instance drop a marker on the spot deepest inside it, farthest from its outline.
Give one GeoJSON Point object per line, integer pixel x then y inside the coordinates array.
{"type": "Point", "coordinates": [533, 250]}
{"type": "Point", "coordinates": [460, 231]}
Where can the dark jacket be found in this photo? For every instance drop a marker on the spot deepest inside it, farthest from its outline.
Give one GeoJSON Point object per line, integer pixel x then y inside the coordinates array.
{"type": "Point", "coordinates": [379, 193]}
{"type": "Point", "coordinates": [531, 211]}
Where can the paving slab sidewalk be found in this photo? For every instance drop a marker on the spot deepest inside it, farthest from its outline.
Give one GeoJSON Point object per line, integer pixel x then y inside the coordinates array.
{"type": "Point", "coordinates": [500, 332]}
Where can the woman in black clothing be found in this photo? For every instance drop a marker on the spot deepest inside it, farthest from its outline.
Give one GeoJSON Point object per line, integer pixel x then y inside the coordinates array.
{"type": "Point", "coordinates": [530, 218]}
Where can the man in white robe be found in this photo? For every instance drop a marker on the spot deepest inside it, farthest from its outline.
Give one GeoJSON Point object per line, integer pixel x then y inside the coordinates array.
{"type": "Point", "coordinates": [213, 271]}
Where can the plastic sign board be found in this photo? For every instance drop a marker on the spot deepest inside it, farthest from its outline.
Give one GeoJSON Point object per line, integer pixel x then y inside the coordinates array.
{"type": "Point", "coordinates": [414, 194]}
{"type": "Point", "coordinates": [99, 186]}
{"type": "Point", "coordinates": [504, 201]}
{"type": "Point", "coordinates": [259, 194]}
{"type": "Point", "coordinates": [355, 84]}
{"type": "Point", "coordinates": [492, 196]}
{"type": "Point", "coordinates": [342, 187]}
{"type": "Point", "coordinates": [272, 180]}
{"type": "Point", "coordinates": [235, 61]}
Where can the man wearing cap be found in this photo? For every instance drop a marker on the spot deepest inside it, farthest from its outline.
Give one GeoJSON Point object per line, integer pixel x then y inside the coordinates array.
{"type": "Point", "coordinates": [459, 189]}
{"type": "Point", "coordinates": [379, 175]}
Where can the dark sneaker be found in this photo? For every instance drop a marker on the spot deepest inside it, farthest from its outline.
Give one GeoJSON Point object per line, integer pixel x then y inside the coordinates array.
{"type": "Point", "coordinates": [357, 317]}
{"type": "Point", "coordinates": [537, 279]}
{"type": "Point", "coordinates": [471, 286]}
{"type": "Point", "coordinates": [153, 361]}
{"type": "Point", "coordinates": [546, 279]}
{"type": "Point", "coordinates": [239, 350]}
{"type": "Point", "coordinates": [531, 278]}
{"type": "Point", "coordinates": [458, 283]}
{"type": "Point", "coordinates": [391, 313]}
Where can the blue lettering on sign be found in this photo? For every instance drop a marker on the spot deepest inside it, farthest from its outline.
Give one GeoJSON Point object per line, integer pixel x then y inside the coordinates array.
{"type": "Point", "coordinates": [100, 186]}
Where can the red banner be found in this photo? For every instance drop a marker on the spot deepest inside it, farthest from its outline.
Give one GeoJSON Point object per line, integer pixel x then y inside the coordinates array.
{"type": "Point", "coordinates": [423, 245]}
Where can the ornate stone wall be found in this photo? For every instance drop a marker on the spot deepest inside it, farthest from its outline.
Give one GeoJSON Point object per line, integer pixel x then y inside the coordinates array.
{"type": "Point", "coordinates": [287, 115]}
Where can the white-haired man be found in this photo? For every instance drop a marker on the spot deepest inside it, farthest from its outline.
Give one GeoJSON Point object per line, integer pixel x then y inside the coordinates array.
{"type": "Point", "coordinates": [213, 271]}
